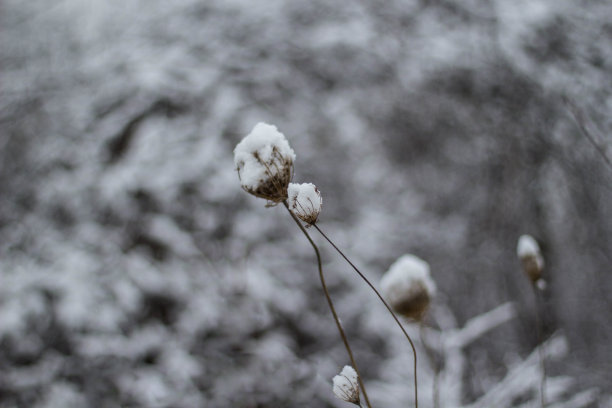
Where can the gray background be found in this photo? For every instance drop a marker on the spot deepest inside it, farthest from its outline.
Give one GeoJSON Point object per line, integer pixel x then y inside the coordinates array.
{"type": "Point", "coordinates": [134, 271]}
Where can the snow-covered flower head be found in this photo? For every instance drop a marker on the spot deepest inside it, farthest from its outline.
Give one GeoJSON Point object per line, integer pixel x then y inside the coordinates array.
{"type": "Point", "coordinates": [408, 286]}
{"type": "Point", "coordinates": [531, 258]}
{"type": "Point", "coordinates": [346, 385]}
{"type": "Point", "coordinates": [305, 201]}
{"type": "Point", "coordinates": [264, 161]}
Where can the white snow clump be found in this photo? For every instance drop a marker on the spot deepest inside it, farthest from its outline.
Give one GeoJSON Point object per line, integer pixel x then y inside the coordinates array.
{"type": "Point", "coordinates": [305, 201]}
{"type": "Point", "coordinates": [527, 245]}
{"type": "Point", "coordinates": [531, 258]}
{"type": "Point", "coordinates": [264, 161]}
{"type": "Point", "coordinates": [346, 385]}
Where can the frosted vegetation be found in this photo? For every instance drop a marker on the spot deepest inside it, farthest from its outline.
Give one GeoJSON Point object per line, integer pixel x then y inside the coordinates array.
{"type": "Point", "coordinates": [305, 201]}
{"type": "Point", "coordinates": [345, 385]}
{"type": "Point", "coordinates": [264, 162]}
{"type": "Point", "coordinates": [136, 272]}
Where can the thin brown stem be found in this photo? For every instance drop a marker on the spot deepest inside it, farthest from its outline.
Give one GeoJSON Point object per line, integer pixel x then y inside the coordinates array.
{"type": "Point", "coordinates": [416, 390]}
{"type": "Point", "coordinates": [331, 305]}
{"type": "Point", "coordinates": [429, 352]}
{"type": "Point", "coordinates": [541, 354]}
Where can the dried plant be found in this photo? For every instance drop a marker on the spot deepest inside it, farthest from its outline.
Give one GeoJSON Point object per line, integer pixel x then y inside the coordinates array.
{"type": "Point", "coordinates": [408, 287]}
{"type": "Point", "coordinates": [346, 386]}
{"type": "Point", "coordinates": [532, 262]}
{"type": "Point", "coordinates": [264, 161]}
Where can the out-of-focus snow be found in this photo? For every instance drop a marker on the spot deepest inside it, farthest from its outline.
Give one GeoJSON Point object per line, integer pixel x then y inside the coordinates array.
{"type": "Point", "coordinates": [527, 246]}
{"type": "Point", "coordinates": [404, 274]}
{"type": "Point", "coordinates": [346, 385]}
{"type": "Point", "coordinates": [133, 270]}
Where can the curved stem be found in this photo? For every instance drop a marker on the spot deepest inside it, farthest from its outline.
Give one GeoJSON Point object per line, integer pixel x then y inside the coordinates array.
{"type": "Point", "coordinates": [416, 392]}
{"type": "Point", "coordinates": [331, 305]}
{"type": "Point", "coordinates": [538, 301]}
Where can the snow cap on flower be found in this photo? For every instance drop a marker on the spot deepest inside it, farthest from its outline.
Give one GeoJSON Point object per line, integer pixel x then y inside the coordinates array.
{"type": "Point", "coordinates": [305, 201]}
{"type": "Point", "coordinates": [346, 385]}
{"type": "Point", "coordinates": [264, 161]}
{"type": "Point", "coordinates": [531, 258]}
{"type": "Point", "coordinates": [408, 286]}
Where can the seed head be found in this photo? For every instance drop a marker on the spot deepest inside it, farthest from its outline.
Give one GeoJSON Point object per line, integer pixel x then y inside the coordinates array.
{"type": "Point", "coordinates": [264, 161]}
{"type": "Point", "coordinates": [531, 258]}
{"type": "Point", "coordinates": [346, 385]}
{"type": "Point", "coordinates": [305, 201]}
{"type": "Point", "coordinates": [408, 286]}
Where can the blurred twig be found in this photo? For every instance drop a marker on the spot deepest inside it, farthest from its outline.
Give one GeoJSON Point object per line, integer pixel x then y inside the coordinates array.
{"type": "Point", "coordinates": [520, 379]}
{"type": "Point", "coordinates": [541, 352]}
{"type": "Point", "coordinates": [578, 116]}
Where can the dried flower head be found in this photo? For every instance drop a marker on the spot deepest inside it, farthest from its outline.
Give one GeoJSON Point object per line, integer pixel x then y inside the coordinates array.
{"type": "Point", "coordinates": [408, 286]}
{"type": "Point", "coordinates": [346, 385]}
{"type": "Point", "coordinates": [305, 201]}
{"type": "Point", "coordinates": [264, 161]}
{"type": "Point", "coordinates": [531, 258]}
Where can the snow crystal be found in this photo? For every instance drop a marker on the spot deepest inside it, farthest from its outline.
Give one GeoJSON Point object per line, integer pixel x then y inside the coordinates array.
{"type": "Point", "coordinates": [260, 143]}
{"type": "Point", "coordinates": [305, 201]}
{"type": "Point", "coordinates": [527, 246]}
{"type": "Point", "coordinates": [346, 385]}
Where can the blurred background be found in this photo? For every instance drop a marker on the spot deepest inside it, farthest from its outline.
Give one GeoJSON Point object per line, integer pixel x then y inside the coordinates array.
{"type": "Point", "coordinates": [135, 272]}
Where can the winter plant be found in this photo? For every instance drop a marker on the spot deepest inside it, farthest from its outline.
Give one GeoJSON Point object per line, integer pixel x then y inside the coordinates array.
{"type": "Point", "coordinates": [346, 386]}
{"type": "Point", "coordinates": [264, 161]}
{"type": "Point", "coordinates": [409, 289]}
{"type": "Point", "coordinates": [528, 252]}
{"type": "Point", "coordinates": [532, 262]}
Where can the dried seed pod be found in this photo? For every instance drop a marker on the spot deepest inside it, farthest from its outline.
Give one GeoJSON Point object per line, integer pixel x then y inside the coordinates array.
{"type": "Point", "coordinates": [305, 201]}
{"type": "Point", "coordinates": [408, 287]}
{"type": "Point", "coordinates": [264, 161]}
{"type": "Point", "coordinates": [531, 258]}
{"type": "Point", "coordinates": [346, 385]}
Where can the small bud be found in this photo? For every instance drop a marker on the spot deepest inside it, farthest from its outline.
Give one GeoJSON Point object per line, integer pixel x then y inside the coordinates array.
{"type": "Point", "coordinates": [346, 385]}
{"type": "Point", "coordinates": [305, 201]}
{"type": "Point", "coordinates": [264, 161]}
{"type": "Point", "coordinates": [408, 286]}
{"type": "Point", "coordinates": [531, 258]}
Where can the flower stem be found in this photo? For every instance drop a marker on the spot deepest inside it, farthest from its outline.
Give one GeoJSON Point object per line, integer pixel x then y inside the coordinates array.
{"type": "Point", "coordinates": [429, 352]}
{"type": "Point", "coordinates": [539, 306]}
{"type": "Point", "coordinates": [416, 392]}
{"type": "Point", "coordinates": [331, 305]}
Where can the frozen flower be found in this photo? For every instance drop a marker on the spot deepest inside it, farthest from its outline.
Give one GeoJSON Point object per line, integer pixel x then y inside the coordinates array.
{"type": "Point", "coordinates": [305, 201]}
{"type": "Point", "coordinates": [264, 161]}
{"type": "Point", "coordinates": [531, 258]}
{"type": "Point", "coordinates": [346, 385]}
{"type": "Point", "coordinates": [408, 286]}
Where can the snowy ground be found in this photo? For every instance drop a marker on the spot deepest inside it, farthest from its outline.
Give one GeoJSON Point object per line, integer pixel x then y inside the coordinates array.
{"type": "Point", "coordinates": [135, 272]}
